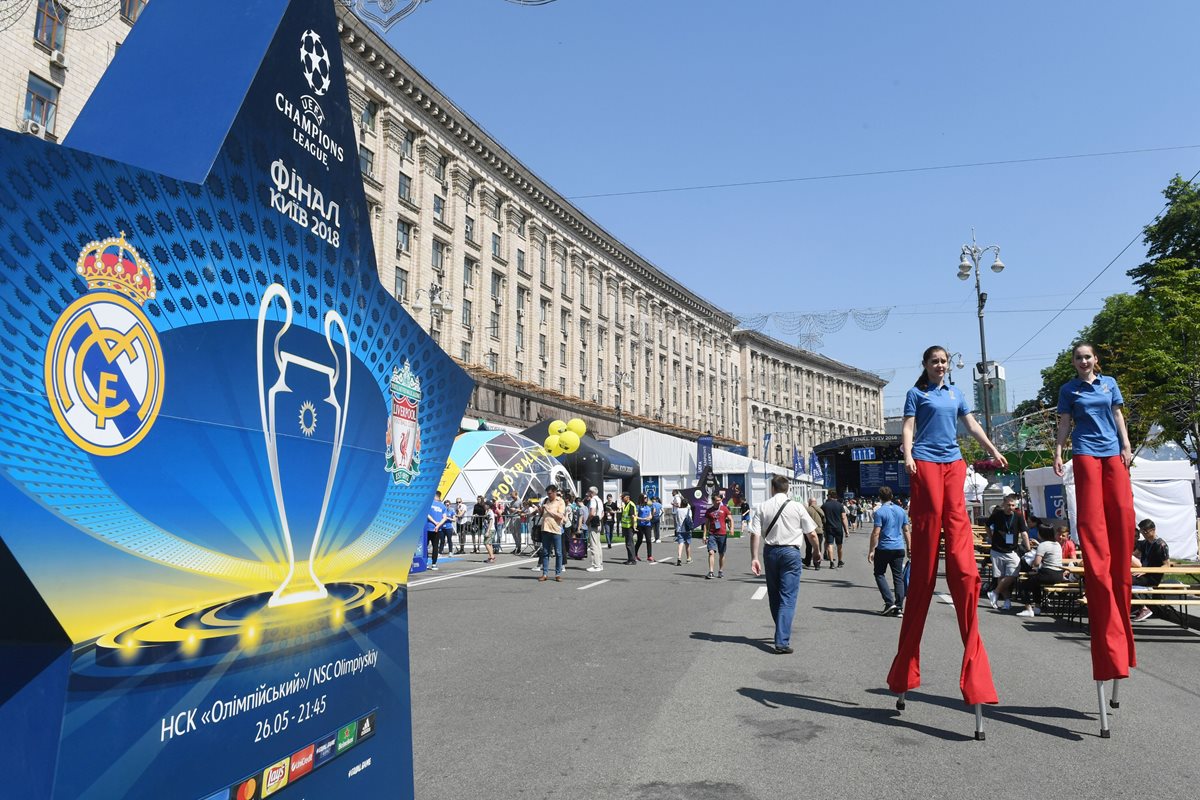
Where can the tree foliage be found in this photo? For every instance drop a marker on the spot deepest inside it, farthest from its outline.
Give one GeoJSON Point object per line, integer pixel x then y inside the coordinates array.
{"type": "Point", "coordinates": [1150, 341]}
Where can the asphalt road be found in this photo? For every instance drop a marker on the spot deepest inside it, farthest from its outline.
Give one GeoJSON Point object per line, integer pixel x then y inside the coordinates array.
{"type": "Point", "coordinates": [658, 683]}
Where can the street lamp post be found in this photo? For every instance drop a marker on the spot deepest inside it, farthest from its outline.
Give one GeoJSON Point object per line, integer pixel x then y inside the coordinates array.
{"type": "Point", "coordinates": [622, 379]}
{"type": "Point", "coordinates": [971, 254]}
{"type": "Point", "coordinates": [439, 301]}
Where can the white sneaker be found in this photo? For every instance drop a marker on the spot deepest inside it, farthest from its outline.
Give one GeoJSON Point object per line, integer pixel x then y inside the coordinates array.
{"type": "Point", "coordinates": [536, 568]}
{"type": "Point", "coordinates": [1028, 612]}
{"type": "Point", "coordinates": [594, 569]}
{"type": "Point", "coordinates": [433, 566]}
{"type": "Point", "coordinates": [992, 599]}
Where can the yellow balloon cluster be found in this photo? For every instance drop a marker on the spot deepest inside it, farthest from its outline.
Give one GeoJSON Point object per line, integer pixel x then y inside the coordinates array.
{"type": "Point", "coordinates": [564, 436]}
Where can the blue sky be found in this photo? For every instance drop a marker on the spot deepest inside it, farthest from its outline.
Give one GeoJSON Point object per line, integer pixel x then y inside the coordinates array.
{"type": "Point", "coordinates": [612, 96]}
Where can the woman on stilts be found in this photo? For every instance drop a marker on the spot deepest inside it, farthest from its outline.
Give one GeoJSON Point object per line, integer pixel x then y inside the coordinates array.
{"type": "Point", "coordinates": [1100, 460]}
{"type": "Point", "coordinates": [937, 506]}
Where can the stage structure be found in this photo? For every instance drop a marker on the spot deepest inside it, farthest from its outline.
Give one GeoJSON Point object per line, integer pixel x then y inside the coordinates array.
{"type": "Point", "coordinates": [220, 435]}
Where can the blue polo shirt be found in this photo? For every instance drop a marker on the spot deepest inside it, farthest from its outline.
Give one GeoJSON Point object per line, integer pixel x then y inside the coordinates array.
{"type": "Point", "coordinates": [937, 410]}
{"type": "Point", "coordinates": [890, 519]}
{"type": "Point", "coordinates": [1091, 407]}
{"type": "Point", "coordinates": [437, 510]}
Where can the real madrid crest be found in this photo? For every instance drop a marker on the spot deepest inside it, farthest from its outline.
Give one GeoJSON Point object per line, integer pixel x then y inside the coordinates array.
{"type": "Point", "coordinates": [104, 370]}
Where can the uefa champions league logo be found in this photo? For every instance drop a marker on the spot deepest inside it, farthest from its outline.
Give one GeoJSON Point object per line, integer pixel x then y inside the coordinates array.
{"type": "Point", "coordinates": [314, 59]}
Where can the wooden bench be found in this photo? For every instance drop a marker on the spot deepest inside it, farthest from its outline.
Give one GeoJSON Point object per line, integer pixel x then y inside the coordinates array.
{"type": "Point", "coordinates": [1181, 596]}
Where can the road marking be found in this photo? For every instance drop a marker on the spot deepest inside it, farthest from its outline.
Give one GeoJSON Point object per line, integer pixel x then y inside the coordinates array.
{"type": "Point", "coordinates": [590, 585]}
{"type": "Point", "coordinates": [759, 593]}
{"type": "Point", "coordinates": [476, 571]}
{"type": "Point", "coordinates": [945, 598]}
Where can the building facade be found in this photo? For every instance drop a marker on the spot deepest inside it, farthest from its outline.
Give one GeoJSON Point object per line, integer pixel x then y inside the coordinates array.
{"type": "Point", "coordinates": [552, 315]}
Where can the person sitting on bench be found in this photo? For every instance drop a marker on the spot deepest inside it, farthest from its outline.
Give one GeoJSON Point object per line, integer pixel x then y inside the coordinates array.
{"type": "Point", "coordinates": [1151, 551]}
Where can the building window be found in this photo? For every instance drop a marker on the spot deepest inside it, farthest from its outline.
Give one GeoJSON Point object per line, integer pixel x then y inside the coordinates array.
{"type": "Point", "coordinates": [403, 236]}
{"type": "Point", "coordinates": [50, 25]}
{"type": "Point", "coordinates": [492, 362]}
{"type": "Point", "coordinates": [520, 336]}
{"type": "Point", "coordinates": [563, 279]}
{"type": "Point", "coordinates": [401, 284]}
{"type": "Point", "coordinates": [41, 102]}
{"type": "Point", "coordinates": [494, 323]}
{"type": "Point", "coordinates": [465, 352]}
{"type": "Point", "coordinates": [497, 284]}
{"type": "Point", "coordinates": [439, 171]}
{"type": "Point", "coordinates": [439, 208]}
{"type": "Point", "coordinates": [542, 346]}
{"type": "Point", "coordinates": [468, 272]}
{"type": "Point", "coordinates": [469, 228]}
{"type": "Point", "coordinates": [438, 257]}
{"type": "Point", "coordinates": [544, 312]}
{"type": "Point", "coordinates": [520, 219]}
{"type": "Point", "coordinates": [520, 260]}
{"type": "Point", "coordinates": [132, 9]}
{"type": "Point", "coordinates": [542, 378]}
{"type": "Point", "coordinates": [466, 313]}
{"type": "Point", "coordinates": [407, 143]}
{"type": "Point", "coordinates": [404, 191]}
{"type": "Point", "coordinates": [369, 113]}
{"type": "Point", "coordinates": [498, 207]}
{"type": "Point", "coordinates": [562, 385]}
{"type": "Point", "coordinates": [496, 245]}
{"type": "Point", "coordinates": [366, 161]}
{"type": "Point", "coordinates": [562, 354]}
{"type": "Point", "coordinates": [520, 371]}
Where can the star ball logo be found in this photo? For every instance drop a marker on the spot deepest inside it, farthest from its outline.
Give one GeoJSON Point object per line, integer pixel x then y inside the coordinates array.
{"type": "Point", "coordinates": [314, 59]}
{"type": "Point", "coordinates": [103, 367]}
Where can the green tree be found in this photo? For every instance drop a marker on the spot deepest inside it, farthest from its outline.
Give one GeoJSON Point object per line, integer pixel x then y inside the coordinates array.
{"type": "Point", "coordinates": [1172, 240]}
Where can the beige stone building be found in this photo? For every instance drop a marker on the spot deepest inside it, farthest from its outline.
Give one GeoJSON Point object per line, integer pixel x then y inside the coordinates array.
{"type": "Point", "coordinates": [553, 315]}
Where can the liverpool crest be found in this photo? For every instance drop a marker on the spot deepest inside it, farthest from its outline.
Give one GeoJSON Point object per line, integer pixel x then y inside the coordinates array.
{"type": "Point", "coordinates": [404, 429]}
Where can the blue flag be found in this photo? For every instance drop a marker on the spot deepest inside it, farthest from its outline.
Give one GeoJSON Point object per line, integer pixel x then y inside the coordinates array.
{"type": "Point", "coordinates": [797, 462]}
{"type": "Point", "coordinates": [814, 466]}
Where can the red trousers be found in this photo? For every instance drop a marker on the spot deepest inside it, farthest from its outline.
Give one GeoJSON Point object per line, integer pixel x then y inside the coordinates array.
{"type": "Point", "coordinates": [938, 505]}
{"type": "Point", "coordinates": [1104, 510]}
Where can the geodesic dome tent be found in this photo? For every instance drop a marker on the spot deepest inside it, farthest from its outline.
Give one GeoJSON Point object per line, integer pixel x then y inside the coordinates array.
{"type": "Point", "coordinates": [495, 464]}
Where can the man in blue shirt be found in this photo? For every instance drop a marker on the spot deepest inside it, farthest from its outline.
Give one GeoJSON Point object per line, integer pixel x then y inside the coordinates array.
{"type": "Point", "coordinates": [655, 515]}
{"type": "Point", "coordinates": [889, 545]}
{"type": "Point", "coordinates": [437, 517]}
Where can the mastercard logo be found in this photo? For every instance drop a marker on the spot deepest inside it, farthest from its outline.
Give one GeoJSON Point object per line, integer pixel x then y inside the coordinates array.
{"type": "Point", "coordinates": [248, 790]}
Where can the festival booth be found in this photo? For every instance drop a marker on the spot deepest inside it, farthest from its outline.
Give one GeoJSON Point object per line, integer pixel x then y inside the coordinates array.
{"type": "Point", "coordinates": [670, 462]}
{"type": "Point", "coordinates": [1163, 491]}
{"type": "Point", "coordinates": [593, 463]}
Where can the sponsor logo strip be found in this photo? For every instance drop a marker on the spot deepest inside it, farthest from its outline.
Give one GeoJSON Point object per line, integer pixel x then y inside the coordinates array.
{"type": "Point", "coordinates": [286, 771]}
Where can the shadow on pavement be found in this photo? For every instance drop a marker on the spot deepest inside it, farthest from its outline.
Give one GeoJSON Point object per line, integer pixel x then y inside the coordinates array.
{"type": "Point", "coordinates": [843, 708]}
{"type": "Point", "coordinates": [1012, 715]}
{"type": "Point", "coordinates": [759, 644]}
{"type": "Point", "coordinates": [847, 611]}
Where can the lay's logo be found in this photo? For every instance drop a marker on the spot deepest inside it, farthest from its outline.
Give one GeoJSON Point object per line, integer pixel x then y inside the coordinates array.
{"type": "Point", "coordinates": [275, 777]}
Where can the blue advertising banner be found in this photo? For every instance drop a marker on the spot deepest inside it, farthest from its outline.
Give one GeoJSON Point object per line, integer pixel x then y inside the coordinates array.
{"type": "Point", "coordinates": [220, 434]}
{"type": "Point", "coordinates": [650, 487]}
{"type": "Point", "coordinates": [704, 457]}
{"type": "Point", "coordinates": [1056, 502]}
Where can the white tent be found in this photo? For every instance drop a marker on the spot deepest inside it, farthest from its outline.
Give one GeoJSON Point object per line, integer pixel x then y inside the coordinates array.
{"type": "Point", "coordinates": [673, 460]}
{"type": "Point", "coordinates": [1162, 491]}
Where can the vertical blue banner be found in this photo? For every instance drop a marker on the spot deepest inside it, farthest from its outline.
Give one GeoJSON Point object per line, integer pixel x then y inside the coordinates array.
{"type": "Point", "coordinates": [704, 457]}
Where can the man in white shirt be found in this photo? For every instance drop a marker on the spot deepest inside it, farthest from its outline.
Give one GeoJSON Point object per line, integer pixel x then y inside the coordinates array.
{"type": "Point", "coordinates": [781, 525]}
{"type": "Point", "coordinates": [595, 510]}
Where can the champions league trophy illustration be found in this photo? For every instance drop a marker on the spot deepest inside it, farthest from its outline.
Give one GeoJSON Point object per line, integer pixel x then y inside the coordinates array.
{"type": "Point", "coordinates": [279, 406]}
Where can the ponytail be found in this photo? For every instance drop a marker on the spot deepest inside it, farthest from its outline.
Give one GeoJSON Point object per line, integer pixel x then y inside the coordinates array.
{"type": "Point", "coordinates": [923, 380]}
